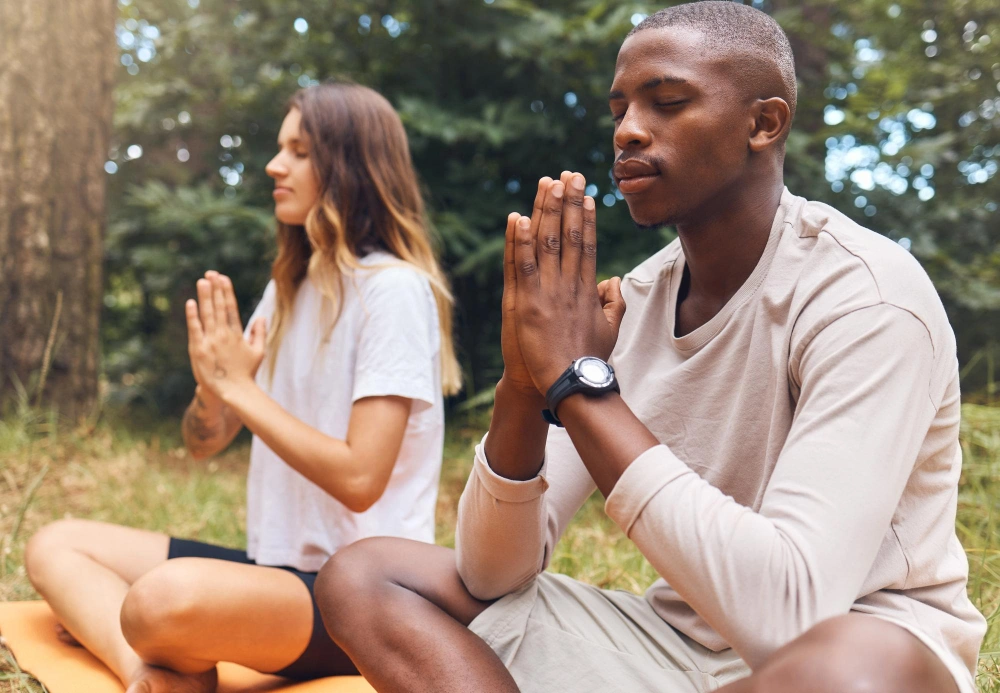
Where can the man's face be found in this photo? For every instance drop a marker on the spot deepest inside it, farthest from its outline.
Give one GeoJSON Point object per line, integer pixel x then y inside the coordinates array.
{"type": "Point", "coordinates": [681, 126]}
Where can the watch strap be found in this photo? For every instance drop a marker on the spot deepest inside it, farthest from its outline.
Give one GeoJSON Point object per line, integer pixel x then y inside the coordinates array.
{"type": "Point", "coordinates": [567, 384]}
{"type": "Point", "coordinates": [559, 390]}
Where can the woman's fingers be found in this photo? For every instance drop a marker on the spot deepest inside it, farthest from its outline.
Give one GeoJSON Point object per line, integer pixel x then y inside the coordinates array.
{"type": "Point", "coordinates": [219, 302]}
{"type": "Point", "coordinates": [258, 335]}
{"type": "Point", "coordinates": [195, 334]}
{"type": "Point", "coordinates": [206, 306]}
{"type": "Point", "coordinates": [232, 309]}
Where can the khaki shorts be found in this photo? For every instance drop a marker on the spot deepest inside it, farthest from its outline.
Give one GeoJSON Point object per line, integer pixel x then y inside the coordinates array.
{"type": "Point", "coordinates": [558, 634]}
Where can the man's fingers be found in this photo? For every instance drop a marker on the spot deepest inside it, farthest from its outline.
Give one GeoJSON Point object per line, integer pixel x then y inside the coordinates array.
{"type": "Point", "coordinates": [525, 266]}
{"type": "Point", "coordinates": [572, 229]}
{"type": "Point", "coordinates": [232, 309]}
{"type": "Point", "coordinates": [509, 271]}
{"type": "Point", "coordinates": [588, 250]}
{"type": "Point", "coordinates": [548, 242]}
{"type": "Point", "coordinates": [206, 306]}
{"type": "Point", "coordinates": [193, 323]}
{"type": "Point", "coordinates": [612, 301]}
{"type": "Point", "coordinates": [544, 184]}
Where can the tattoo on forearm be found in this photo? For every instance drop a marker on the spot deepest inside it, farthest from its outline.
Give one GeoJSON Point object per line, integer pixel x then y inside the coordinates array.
{"type": "Point", "coordinates": [201, 433]}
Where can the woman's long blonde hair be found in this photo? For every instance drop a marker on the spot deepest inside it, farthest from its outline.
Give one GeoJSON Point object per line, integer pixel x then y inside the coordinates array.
{"type": "Point", "coordinates": [369, 200]}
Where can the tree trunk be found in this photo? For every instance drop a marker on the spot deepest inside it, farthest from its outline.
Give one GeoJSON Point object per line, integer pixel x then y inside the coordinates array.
{"type": "Point", "coordinates": [57, 67]}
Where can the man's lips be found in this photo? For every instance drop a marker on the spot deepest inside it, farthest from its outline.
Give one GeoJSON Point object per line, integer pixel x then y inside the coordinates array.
{"type": "Point", "coordinates": [633, 175]}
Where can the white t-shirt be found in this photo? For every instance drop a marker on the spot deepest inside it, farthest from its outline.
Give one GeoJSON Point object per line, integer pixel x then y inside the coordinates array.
{"type": "Point", "coordinates": [386, 341]}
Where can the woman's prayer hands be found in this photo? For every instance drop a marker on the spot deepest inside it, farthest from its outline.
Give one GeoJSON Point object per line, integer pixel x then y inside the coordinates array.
{"type": "Point", "coordinates": [221, 359]}
{"type": "Point", "coordinates": [554, 311]}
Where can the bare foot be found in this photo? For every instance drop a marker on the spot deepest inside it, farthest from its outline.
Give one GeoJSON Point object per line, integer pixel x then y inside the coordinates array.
{"type": "Point", "coordinates": [150, 679]}
{"type": "Point", "coordinates": [65, 636]}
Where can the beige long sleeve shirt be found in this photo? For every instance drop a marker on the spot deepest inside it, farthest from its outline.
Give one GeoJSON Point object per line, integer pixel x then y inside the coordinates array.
{"type": "Point", "coordinates": [809, 455]}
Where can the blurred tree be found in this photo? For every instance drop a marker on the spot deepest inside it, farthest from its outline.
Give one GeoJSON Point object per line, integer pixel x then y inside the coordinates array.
{"type": "Point", "coordinates": [57, 71]}
{"type": "Point", "coordinates": [895, 127]}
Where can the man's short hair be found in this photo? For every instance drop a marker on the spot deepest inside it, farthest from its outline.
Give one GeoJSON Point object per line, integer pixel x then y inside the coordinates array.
{"type": "Point", "coordinates": [749, 35]}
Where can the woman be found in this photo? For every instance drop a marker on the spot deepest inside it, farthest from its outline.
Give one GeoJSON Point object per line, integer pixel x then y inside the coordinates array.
{"type": "Point", "coordinates": [340, 377]}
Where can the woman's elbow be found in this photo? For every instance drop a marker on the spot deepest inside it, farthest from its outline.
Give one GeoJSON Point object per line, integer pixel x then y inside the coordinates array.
{"type": "Point", "coordinates": [361, 493]}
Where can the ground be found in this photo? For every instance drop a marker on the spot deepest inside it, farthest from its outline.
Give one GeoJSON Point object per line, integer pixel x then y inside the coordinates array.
{"type": "Point", "coordinates": [136, 473]}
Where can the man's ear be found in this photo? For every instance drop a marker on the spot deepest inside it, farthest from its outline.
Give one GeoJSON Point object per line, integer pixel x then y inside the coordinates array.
{"type": "Point", "coordinates": [772, 118]}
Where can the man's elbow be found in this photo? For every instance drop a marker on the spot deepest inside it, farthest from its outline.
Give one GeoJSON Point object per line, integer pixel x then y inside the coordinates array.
{"type": "Point", "coordinates": [487, 579]}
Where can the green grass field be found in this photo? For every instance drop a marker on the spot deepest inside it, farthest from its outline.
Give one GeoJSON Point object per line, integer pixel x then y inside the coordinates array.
{"type": "Point", "coordinates": [139, 475]}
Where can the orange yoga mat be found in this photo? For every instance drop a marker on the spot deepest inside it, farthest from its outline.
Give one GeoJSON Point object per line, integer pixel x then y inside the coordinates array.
{"type": "Point", "coordinates": [29, 629]}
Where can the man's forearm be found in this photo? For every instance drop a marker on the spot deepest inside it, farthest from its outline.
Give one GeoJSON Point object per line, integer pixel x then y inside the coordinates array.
{"type": "Point", "coordinates": [515, 446]}
{"type": "Point", "coordinates": [607, 435]}
{"type": "Point", "coordinates": [205, 429]}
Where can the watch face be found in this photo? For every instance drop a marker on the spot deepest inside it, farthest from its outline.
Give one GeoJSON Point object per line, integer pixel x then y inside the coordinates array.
{"type": "Point", "coordinates": [593, 371]}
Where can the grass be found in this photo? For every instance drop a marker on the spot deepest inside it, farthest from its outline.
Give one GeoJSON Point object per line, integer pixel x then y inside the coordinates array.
{"type": "Point", "coordinates": [138, 474]}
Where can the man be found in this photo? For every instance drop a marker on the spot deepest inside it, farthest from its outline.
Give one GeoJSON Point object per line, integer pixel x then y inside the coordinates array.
{"type": "Point", "coordinates": [784, 449]}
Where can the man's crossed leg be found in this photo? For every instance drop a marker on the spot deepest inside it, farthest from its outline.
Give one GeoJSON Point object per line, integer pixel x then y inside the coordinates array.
{"type": "Point", "coordinates": [406, 628]}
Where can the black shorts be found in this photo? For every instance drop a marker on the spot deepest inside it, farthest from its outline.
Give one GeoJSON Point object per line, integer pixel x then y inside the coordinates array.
{"type": "Point", "coordinates": [322, 657]}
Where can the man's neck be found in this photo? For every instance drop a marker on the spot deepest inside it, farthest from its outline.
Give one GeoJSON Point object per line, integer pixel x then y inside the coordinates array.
{"type": "Point", "coordinates": [723, 246]}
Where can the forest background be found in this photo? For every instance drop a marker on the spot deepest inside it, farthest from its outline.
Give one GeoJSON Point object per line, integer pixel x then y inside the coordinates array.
{"type": "Point", "coordinates": [897, 127]}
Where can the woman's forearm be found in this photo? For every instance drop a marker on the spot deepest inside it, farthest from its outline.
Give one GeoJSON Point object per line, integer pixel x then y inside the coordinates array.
{"type": "Point", "coordinates": [206, 429]}
{"type": "Point", "coordinates": [326, 461]}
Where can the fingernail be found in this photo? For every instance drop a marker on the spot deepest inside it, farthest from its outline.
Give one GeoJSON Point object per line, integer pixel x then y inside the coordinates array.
{"type": "Point", "coordinates": [524, 223]}
{"type": "Point", "coordinates": [588, 203]}
{"type": "Point", "coordinates": [578, 181]}
{"type": "Point", "coordinates": [557, 190]}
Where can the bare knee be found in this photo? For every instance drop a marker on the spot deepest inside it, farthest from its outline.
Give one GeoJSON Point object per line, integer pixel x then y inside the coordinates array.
{"type": "Point", "coordinates": [348, 586]}
{"type": "Point", "coordinates": [161, 609]}
{"type": "Point", "coordinates": [45, 548]}
{"type": "Point", "coordinates": [854, 654]}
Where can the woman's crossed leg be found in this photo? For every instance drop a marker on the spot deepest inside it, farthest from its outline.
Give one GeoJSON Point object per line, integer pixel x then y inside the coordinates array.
{"type": "Point", "coordinates": [163, 625]}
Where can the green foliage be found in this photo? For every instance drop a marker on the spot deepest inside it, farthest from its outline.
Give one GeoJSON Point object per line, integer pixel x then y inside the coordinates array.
{"type": "Point", "coordinates": [162, 241]}
{"type": "Point", "coordinates": [494, 96]}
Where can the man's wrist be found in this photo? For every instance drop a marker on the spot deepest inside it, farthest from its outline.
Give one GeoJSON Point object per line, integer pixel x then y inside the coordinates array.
{"type": "Point", "coordinates": [515, 446]}
{"type": "Point", "coordinates": [528, 394]}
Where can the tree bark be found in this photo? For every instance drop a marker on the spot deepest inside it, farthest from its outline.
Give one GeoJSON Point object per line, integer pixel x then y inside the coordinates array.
{"type": "Point", "coordinates": [57, 68]}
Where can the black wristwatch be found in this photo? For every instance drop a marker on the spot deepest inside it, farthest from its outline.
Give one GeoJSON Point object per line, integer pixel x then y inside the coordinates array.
{"type": "Point", "coordinates": [589, 375]}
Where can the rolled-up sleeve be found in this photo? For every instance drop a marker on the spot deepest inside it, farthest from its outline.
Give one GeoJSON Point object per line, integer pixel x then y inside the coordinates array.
{"type": "Point", "coordinates": [506, 528]}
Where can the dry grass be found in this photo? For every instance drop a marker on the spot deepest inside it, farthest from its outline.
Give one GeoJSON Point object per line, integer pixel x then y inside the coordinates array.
{"type": "Point", "coordinates": [138, 474]}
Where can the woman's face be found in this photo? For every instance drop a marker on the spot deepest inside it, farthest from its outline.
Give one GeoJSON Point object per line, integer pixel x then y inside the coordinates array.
{"type": "Point", "coordinates": [296, 187]}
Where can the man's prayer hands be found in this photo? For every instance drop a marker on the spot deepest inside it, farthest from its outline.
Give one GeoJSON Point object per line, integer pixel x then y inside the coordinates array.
{"type": "Point", "coordinates": [554, 311]}
{"type": "Point", "coordinates": [221, 358]}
